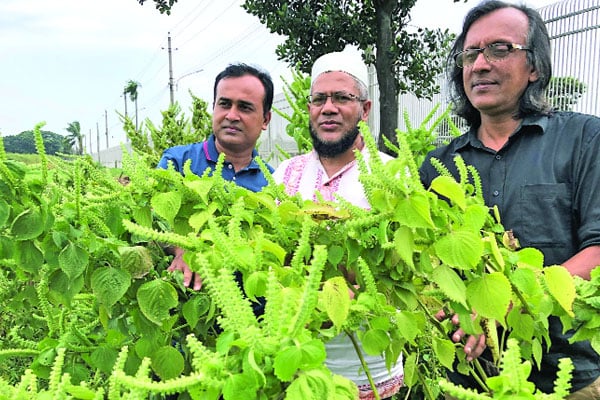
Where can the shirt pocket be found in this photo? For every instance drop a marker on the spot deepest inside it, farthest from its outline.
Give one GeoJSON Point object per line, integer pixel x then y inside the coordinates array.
{"type": "Point", "coordinates": [546, 215]}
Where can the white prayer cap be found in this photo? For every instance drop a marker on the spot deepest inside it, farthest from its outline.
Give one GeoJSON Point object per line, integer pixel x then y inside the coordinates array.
{"type": "Point", "coordinates": [348, 61]}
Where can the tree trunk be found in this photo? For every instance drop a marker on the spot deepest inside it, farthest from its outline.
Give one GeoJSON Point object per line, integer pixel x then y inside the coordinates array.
{"type": "Point", "coordinates": [388, 95]}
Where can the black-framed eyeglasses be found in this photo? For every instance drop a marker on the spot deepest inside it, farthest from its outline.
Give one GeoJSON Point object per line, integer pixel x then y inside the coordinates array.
{"type": "Point", "coordinates": [339, 98]}
{"type": "Point", "coordinates": [492, 52]}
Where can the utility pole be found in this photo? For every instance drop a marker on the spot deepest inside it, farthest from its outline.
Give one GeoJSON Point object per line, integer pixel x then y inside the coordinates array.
{"type": "Point", "coordinates": [171, 85]}
{"type": "Point", "coordinates": [106, 126]}
{"type": "Point", "coordinates": [98, 140]}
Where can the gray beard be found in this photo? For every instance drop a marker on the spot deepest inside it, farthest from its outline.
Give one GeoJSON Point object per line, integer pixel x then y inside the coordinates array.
{"type": "Point", "coordinates": [333, 149]}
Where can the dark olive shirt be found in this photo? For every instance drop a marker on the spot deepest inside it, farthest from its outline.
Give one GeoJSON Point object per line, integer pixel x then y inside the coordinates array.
{"type": "Point", "coordinates": [545, 182]}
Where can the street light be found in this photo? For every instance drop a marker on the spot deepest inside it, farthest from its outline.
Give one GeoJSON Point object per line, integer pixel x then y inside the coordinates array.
{"type": "Point", "coordinates": [188, 74]}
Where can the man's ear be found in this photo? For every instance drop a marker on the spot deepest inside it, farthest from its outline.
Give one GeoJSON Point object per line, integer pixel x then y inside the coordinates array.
{"type": "Point", "coordinates": [533, 75]}
{"type": "Point", "coordinates": [266, 120]}
{"type": "Point", "coordinates": [366, 109]}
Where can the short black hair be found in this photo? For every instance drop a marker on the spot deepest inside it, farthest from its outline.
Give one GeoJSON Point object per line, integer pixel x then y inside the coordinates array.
{"type": "Point", "coordinates": [533, 101]}
{"type": "Point", "coordinates": [241, 69]}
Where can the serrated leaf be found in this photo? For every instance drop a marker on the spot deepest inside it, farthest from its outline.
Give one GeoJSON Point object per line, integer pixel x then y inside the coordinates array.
{"type": "Point", "coordinates": [27, 225]}
{"type": "Point", "coordinates": [335, 254]}
{"type": "Point", "coordinates": [450, 284]}
{"type": "Point", "coordinates": [104, 359]}
{"type": "Point", "coordinates": [375, 341]}
{"type": "Point", "coordinates": [410, 369]}
{"type": "Point", "coordinates": [490, 295]}
{"type": "Point", "coordinates": [166, 205]}
{"type": "Point", "coordinates": [287, 362]}
{"type": "Point", "coordinates": [561, 286]}
{"type": "Point", "coordinates": [405, 245]}
{"type": "Point", "coordinates": [460, 249]}
{"type": "Point", "coordinates": [313, 353]}
{"type": "Point", "coordinates": [240, 387]}
{"type": "Point", "coordinates": [72, 260]}
{"type": "Point", "coordinates": [4, 212]}
{"type": "Point", "coordinates": [167, 362]}
{"type": "Point", "coordinates": [312, 384]}
{"type": "Point", "coordinates": [110, 284]}
{"type": "Point", "coordinates": [29, 256]}
{"type": "Point", "coordinates": [449, 188]}
{"type": "Point", "coordinates": [475, 216]}
{"type": "Point", "coordinates": [530, 257]}
{"type": "Point", "coordinates": [444, 351]}
{"type": "Point", "coordinates": [336, 300]}
{"type": "Point", "coordinates": [143, 216]}
{"type": "Point", "coordinates": [414, 211]}
{"type": "Point", "coordinates": [136, 260]}
{"type": "Point", "coordinates": [156, 298]}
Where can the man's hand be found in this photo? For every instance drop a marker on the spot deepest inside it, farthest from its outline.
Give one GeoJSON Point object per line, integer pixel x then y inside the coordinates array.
{"type": "Point", "coordinates": [179, 265]}
{"type": "Point", "coordinates": [474, 344]}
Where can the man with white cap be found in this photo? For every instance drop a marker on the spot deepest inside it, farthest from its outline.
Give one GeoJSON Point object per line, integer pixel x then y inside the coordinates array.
{"type": "Point", "coordinates": [338, 101]}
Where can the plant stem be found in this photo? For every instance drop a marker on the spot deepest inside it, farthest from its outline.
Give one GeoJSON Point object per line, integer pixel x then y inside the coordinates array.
{"type": "Point", "coordinates": [363, 363]}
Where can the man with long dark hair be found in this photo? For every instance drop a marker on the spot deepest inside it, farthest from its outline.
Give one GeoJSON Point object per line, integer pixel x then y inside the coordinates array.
{"type": "Point", "coordinates": [538, 166]}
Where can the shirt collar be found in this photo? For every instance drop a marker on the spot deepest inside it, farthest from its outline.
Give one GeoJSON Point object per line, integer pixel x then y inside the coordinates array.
{"type": "Point", "coordinates": [212, 153]}
{"type": "Point", "coordinates": [528, 124]}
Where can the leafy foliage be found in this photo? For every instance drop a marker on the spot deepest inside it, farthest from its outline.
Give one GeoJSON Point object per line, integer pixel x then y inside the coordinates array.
{"type": "Point", "coordinates": [151, 140]}
{"type": "Point", "coordinates": [88, 318]}
{"type": "Point", "coordinates": [564, 92]}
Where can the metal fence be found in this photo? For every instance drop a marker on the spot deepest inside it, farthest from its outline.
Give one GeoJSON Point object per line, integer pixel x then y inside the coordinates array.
{"type": "Point", "coordinates": [574, 28]}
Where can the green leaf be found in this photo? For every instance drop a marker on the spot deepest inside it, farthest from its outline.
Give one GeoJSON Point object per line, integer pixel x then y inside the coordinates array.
{"type": "Point", "coordinates": [110, 284]}
{"type": "Point", "coordinates": [561, 286]}
{"type": "Point", "coordinates": [449, 188]}
{"type": "Point", "coordinates": [194, 308]}
{"type": "Point", "coordinates": [156, 299]}
{"type": "Point", "coordinates": [72, 260]}
{"type": "Point", "coordinates": [375, 341]}
{"type": "Point", "coordinates": [314, 384]}
{"type": "Point", "coordinates": [136, 260]}
{"type": "Point", "coordinates": [460, 249]}
{"type": "Point", "coordinates": [414, 211]}
{"type": "Point", "coordinates": [104, 359]}
{"type": "Point", "coordinates": [450, 283]}
{"type": "Point", "coordinates": [313, 353]}
{"type": "Point", "coordinates": [27, 225]}
{"type": "Point", "coordinates": [166, 205]}
{"type": "Point", "coordinates": [490, 295]}
{"type": "Point", "coordinates": [530, 257]}
{"type": "Point", "coordinates": [167, 362]}
{"type": "Point", "coordinates": [287, 362]}
{"type": "Point", "coordinates": [404, 244]}
{"type": "Point", "coordinates": [336, 300]}
{"type": "Point", "coordinates": [444, 351]}
{"type": "Point", "coordinates": [240, 387]}
{"type": "Point", "coordinates": [143, 216]}
{"type": "Point", "coordinates": [335, 254]}
{"type": "Point", "coordinates": [475, 216]}
{"type": "Point", "coordinates": [4, 212]}
{"type": "Point", "coordinates": [410, 369]}
{"type": "Point", "coordinates": [29, 256]}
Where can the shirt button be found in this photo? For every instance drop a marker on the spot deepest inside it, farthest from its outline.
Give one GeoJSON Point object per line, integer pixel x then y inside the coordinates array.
{"type": "Point", "coordinates": [498, 156]}
{"type": "Point", "coordinates": [496, 193]}
{"type": "Point", "coordinates": [230, 166]}
{"type": "Point", "coordinates": [233, 178]}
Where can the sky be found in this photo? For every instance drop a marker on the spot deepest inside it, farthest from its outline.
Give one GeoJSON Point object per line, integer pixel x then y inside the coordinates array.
{"type": "Point", "coordinates": [69, 60]}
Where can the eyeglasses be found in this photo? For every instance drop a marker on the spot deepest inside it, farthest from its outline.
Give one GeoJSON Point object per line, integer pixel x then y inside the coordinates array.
{"type": "Point", "coordinates": [492, 52]}
{"type": "Point", "coordinates": [339, 98]}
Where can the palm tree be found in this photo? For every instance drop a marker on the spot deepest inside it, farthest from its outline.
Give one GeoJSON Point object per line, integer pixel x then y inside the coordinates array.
{"type": "Point", "coordinates": [75, 138]}
{"type": "Point", "coordinates": [131, 89]}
